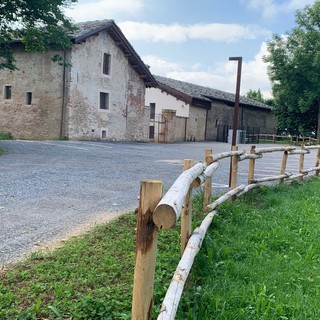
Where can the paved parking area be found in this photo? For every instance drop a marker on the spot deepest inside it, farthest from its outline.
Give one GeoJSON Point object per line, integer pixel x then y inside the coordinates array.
{"type": "Point", "coordinates": [48, 189]}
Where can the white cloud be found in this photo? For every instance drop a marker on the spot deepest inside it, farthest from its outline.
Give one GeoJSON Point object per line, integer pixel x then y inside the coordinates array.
{"type": "Point", "coordinates": [86, 10]}
{"type": "Point", "coordinates": [180, 33]}
{"type": "Point", "coordinates": [222, 76]}
{"type": "Point", "coordinates": [270, 8]}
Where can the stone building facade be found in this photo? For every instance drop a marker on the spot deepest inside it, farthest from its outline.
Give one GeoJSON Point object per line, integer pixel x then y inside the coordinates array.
{"type": "Point", "coordinates": [98, 95]}
{"type": "Point", "coordinates": [208, 113]}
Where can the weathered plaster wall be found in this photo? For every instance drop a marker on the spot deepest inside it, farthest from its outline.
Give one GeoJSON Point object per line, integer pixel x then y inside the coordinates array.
{"type": "Point", "coordinates": [37, 74]}
{"type": "Point", "coordinates": [127, 118]}
{"type": "Point", "coordinates": [165, 101]}
{"type": "Point", "coordinates": [196, 124]}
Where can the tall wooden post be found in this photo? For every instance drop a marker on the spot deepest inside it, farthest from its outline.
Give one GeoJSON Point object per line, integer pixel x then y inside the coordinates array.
{"type": "Point", "coordinates": [186, 214]}
{"type": "Point", "coordinates": [317, 162]}
{"type": "Point", "coordinates": [301, 162]}
{"type": "Point", "coordinates": [146, 249]}
{"type": "Point", "coordinates": [208, 183]}
{"type": "Point", "coordinates": [234, 170]}
{"type": "Point", "coordinates": [251, 165]}
{"type": "Point", "coordinates": [283, 164]}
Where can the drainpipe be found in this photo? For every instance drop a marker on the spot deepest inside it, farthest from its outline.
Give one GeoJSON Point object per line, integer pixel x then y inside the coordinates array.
{"type": "Point", "coordinates": [205, 126]}
{"type": "Point", "coordinates": [185, 128]}
{"type": "Point", "coordinates": [63, 94]}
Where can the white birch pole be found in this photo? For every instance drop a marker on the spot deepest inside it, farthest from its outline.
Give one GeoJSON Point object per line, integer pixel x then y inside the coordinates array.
{"type": "Point", "coordinates": [171, 301]}
{"type": "Point", "coordinates": [275, 149]}
{"type": "Point", "coordinates": [169, 208]}
{"type": "Point", "coordinates": [206, 174]}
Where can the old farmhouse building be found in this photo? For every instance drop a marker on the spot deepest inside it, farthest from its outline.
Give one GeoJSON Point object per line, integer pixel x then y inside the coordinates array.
{"type": "Point", "coordinates": [182, 111]}
{"type": "Point", "coordinates": [99, 94]}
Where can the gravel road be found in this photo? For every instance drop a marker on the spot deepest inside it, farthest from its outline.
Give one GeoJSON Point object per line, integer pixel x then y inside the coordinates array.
{"type": "Point", "coordinates": [51, 189]}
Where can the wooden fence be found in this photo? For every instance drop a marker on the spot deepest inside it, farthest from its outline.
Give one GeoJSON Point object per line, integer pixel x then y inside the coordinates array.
{"type": "Point", "coordinates": [156, 212]}
{"type": "Point", "coordinates": [296, 140]}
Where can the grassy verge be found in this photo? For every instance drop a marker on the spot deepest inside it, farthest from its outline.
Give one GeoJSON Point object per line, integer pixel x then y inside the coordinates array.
{"type": "Point", "coordinates": [260, 260]}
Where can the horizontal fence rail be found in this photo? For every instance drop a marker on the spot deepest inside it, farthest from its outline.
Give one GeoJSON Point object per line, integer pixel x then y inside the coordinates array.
{"type": "Point", "coordinates": [157, 213]}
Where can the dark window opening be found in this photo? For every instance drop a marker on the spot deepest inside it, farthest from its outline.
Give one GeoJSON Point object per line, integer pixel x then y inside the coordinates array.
{"type": "Point", "coordinates": [103, 134]}
{"type": "Point", "coordinates": [104, 100]}
{"type": "Point", "coordinates": [28, 98]}
{"type": "Point", "coordinates": [7, 92]}
{"type": "Point", "coordinates": [106, 63]}
{"type": "Point", "coordinates": [152, 110]}
{"type": "Point", "coordinates": [151, 132]}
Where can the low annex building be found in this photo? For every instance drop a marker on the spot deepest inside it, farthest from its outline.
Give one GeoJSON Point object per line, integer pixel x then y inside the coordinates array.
{"type": "Point", "coordinates": [98, 94]}
{"type": "Point", "coordinates": [182, 111]}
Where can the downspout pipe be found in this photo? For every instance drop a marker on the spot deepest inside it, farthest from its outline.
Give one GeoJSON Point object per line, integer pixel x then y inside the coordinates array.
{"type": "Point", "coordinates": [63, 95]}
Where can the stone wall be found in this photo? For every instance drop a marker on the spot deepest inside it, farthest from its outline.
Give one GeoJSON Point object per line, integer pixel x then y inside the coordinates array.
{"type": "Point", "coordinates": [127, 118]}
{"type": "Point", "coordinates": [44, 79]}
{"type": "Point", "coordinates": [221, 114]}
{"type": "Point", "coordinates": [174, 128]}
{"type": "Point", "coordinates": [196, 124]}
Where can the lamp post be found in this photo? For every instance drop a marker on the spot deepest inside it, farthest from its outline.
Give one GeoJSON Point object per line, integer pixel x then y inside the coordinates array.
{"type": "Point", "coordinates": [236, 109]}
{"type": "Point", "coordinates": [236, 102]}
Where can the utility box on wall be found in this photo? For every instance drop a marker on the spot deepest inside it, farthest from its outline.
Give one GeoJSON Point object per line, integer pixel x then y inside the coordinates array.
{"type": "Point", "coordinates": [240, 137]}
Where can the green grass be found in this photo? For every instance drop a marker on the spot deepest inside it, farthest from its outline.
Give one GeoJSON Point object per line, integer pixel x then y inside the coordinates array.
{"type": "Point", "coordinates": [5, 136]}
{"type": "Point", "coordinates": [260, 260]}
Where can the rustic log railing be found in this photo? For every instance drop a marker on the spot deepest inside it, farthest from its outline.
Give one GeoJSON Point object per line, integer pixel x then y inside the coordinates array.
{"type": "Point", "coordinates": [273, 138]}
{"type": "Point", "coordinates": [163, 213]}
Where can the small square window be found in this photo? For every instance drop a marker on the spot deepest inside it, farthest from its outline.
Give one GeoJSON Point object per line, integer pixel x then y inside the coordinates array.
{"type": "Point", "coordinates": [106, 63]}
{"type": "Point", "coordinates": [7, 92]}
{"type": "Point", "coordinates": [104, 100]}
{"type": "Point", "coordinates": [28, 98]}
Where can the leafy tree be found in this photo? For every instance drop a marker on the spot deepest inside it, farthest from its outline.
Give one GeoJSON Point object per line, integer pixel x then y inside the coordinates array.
{"type": "Point", "coordinates": [257, 95]}
{"type": "Point", "coordinates": [294, 70]}
{"type": "Point", "coordinates": [39, 24]}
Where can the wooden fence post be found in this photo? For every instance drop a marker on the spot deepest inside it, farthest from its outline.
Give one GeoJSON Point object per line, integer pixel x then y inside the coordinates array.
{"type": "Point", "coordinates": [186, 214]}
{"type": "Point", "coordinates": [274, 138]}
{"type": "Point", "coordinates": [208, 183]}
{"type": "Point", "coordinates": [146, 250]}
{"type": "Point", "coordinates": [301, 162]}
{"type": "Point", "coordinates": [283, 165]}
{"type": "Point", "coordinates": [317, 162]}
{"type": "Point", "coordinates": [251, 165]}
{"type": "Point", "coordinates": [234, 170]}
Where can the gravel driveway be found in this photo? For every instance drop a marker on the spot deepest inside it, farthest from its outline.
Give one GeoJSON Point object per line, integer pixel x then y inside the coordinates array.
{"type": "Point", "coordinates": [49, 189]}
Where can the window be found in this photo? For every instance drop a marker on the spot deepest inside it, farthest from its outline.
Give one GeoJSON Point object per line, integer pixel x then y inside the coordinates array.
{"type": "Point", "coordinates": [7, 92]}
{"type": "Point", "coordinates": [28, 98]}
{"type": "Point", "coordinates": [104, 100]}
{"type": "Point", "coordinates": [104, 134]}
{"type": "Point", "coordinates": [106, 64]}
{"type": "Point", "coordinates": [152, 110]}
{"type": "Point", "coordinates": [151, 132]}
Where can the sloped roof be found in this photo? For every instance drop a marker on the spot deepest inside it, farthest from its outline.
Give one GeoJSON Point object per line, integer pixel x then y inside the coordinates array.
{"type": "Point", "coordinates": [188, 92]}
{"type": "Point", "coordinates": [90, 28]}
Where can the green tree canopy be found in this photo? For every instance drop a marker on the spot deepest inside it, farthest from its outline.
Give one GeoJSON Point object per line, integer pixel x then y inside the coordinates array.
{"type": "Point", "coordinates": [258, 96]}
{"type": "Point", "coordinates": [255, 95]}
{"type": "Point", "coordinates": [38, 24]}
{"type": "Point", "coordinates": [294, 70]}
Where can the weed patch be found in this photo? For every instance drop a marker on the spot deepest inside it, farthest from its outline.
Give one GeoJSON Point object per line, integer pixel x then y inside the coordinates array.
{"type": "Point", "coordinates": [6, 136]}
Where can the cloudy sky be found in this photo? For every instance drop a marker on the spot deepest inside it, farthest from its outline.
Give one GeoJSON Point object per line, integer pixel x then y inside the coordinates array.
{"type": "Point", "coordinates": [192, 40]}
